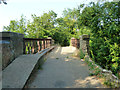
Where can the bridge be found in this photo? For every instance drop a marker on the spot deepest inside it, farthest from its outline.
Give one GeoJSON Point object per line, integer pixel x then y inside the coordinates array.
{"type": "Point", "coordinates": [39, 63]}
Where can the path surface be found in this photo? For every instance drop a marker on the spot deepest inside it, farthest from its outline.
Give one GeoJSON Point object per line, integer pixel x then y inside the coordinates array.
{"type": "Point", "coordinates": [62, 70]}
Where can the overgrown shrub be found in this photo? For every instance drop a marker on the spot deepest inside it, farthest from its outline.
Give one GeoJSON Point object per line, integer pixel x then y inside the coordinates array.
{"type": "Point", "coordinates": [105, 33]}
{"type": "Point", "coordinates": [82, 55]}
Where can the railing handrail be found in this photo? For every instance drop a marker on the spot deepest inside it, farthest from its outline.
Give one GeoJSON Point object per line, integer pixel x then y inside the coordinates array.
{"type": "Point", "coordinates": [4, 38]}
{"type": "Point", "coordinates": [35, 39]}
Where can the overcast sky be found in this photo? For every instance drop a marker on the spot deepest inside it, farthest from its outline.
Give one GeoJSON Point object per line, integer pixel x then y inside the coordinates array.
{"type": "Point", "coordinates": [15, 8]}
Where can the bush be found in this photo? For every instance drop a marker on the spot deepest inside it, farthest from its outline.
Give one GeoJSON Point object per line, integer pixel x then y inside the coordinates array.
{"type": "Point", "coordinates": [82, 55]}
{"type": "Point", "coordinates": [103, 21]}
{"type": "Point", "coordinates": [105, 39]}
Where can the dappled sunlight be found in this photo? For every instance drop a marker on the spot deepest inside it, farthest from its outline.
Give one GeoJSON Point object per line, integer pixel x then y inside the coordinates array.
{"type": "Point", "coordinates": [83, 64]}
{"type": "Point", "coordinates": [68, 60]}
{"type": "Point", "coordinates": [63, 70]}
{"type": "Point", "coordinates": [66, 50]}
{"type": "Point", "coordinates": [89, 81]}
{"type": "Point", "coordinates": [54, 53]}
{"type": "Point", "coordinates": [58, 48]}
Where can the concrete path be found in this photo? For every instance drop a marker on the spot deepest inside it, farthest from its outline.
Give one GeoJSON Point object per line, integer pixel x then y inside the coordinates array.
{"type": "Point", "coordinates": [16, 74]}
{"type": "Point", "coordinates": [62, 70]}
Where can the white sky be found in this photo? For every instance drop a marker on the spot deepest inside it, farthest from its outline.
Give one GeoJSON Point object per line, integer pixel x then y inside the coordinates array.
{"type": "Point", "coordinates": [15, 8]}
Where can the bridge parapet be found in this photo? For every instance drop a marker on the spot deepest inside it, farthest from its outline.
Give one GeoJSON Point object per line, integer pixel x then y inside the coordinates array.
{"type": "Point", "coordinates": [11, 45]}
{"type": "Point", "coordinates": [14, 44]}
{"type": "Point", "coordinates": [84, 43]}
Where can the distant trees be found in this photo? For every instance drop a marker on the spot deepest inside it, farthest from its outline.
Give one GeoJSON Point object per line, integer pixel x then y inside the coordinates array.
{"type": "Point", "coordinates": [99, 20]}
{"type": "Point", "coordinates": [39, 27]}
{"type": "Point", "coordinates": [4, 1]}
{"type": "Point", "coordinates": [42, 26]}
{"type": "Point", "coordinates": [47, 25]}
{"type": "Point", "coordinates": [17, 26]}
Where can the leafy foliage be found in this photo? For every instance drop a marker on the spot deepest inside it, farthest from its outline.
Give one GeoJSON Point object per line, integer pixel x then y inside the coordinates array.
{"type": "Point", "coordinates": [99, 20]}
{"type": "Point", "coordinates": [102, 19]}
{"type": "Point", "coordinates": [17, 26]}
{"type": "Point", "coordinates": [82, 55]}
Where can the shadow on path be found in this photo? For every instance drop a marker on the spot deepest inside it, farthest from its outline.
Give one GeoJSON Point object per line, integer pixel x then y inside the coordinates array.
{"type": "Point", "coordinates": [62, 70]}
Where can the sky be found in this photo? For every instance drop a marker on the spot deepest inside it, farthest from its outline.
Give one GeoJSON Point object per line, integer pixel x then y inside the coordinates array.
{"type": "Point", "coordinates": [15, 8]}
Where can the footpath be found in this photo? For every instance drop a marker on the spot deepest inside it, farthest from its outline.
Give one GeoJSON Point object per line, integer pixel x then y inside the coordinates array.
{"type": "Point", "coordinates": [62, 70]}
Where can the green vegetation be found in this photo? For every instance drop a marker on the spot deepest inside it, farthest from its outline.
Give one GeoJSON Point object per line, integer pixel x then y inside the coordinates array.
{"type": "Point", "coordinates": [82, 55]}
{"type": "Point", "coordinates": [57, 58]}
{"type": "Point", "coordinates": [96, 71]}
{"type": "Point", "coordinates": [99, 20]}
{"type": "Point", "coordinates": [102, 19]}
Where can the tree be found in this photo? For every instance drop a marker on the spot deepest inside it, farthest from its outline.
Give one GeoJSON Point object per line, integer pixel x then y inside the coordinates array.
{"type": "Point", "coordinates": [17, 26]}
{"type": "Point", "coordinates": [42, 26]}
{"type": "Point", "coordinates": [102, 19]}
{"type": "Point", "coordinates": [4, 1]}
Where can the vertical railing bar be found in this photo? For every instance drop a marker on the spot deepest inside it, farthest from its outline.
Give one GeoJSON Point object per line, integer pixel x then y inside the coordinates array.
{"type": "Point", "coordinates": [38, 43]}
{"type": "Point", "coordinates": [28, 47]}
{"type": "Point", "coordinates": [44, 43]}
{"type": "Point", "coordinates": [32, 47]}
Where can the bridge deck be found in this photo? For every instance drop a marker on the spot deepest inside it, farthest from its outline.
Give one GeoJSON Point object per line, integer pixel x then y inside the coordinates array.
{"type": "Point", "coordinates": [62, 70]}
{"type": "Point", "coordinates": [18, 72]}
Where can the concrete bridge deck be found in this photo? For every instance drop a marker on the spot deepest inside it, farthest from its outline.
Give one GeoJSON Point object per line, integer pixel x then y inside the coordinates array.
{"type": "Point", "coordinates": [19, 71]}
{"type": "Point", "coordinates": [62, 70]}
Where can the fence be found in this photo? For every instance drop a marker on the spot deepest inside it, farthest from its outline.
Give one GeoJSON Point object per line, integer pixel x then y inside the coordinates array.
{"type": "Point", "coordinates": [14, 44]}
{"type": "Point", "coordinates": [35, 45]}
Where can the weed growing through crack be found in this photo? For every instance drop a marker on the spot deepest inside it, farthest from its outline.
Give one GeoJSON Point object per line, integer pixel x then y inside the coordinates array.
{"type": "Point", "coordinates": [67, 57]}
{"type": "Point", "coordinates": [57, 58]}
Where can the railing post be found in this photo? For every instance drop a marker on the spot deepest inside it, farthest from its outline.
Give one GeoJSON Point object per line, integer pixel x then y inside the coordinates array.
{"type": "Point", "coordinates": [38, 43]}
{"type": "Point", "coordinates": [33, 47]}
{"type": "Point", "coordinates": [84, 43]}
{"type": "Point", "coordinates": [28, 44]}
{"type": "Point", "coordinates": [44, 43]}
{"type": "Point", "coordinates": [75, 42]}
{"type": "Point", "coordinates": [48, 43]}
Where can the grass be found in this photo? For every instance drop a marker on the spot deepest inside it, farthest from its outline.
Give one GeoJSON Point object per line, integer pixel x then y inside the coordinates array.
{"type": "Point", "coordinates": [97, 72]}
{"type": "Point", "coordinates": [57, 58]}
{"type": "Point", "coordinates": [67, 57]}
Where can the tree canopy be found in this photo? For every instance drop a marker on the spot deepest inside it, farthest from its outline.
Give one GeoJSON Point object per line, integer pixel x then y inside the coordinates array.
{"type": "Point", "coordinates": [99, 20]}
